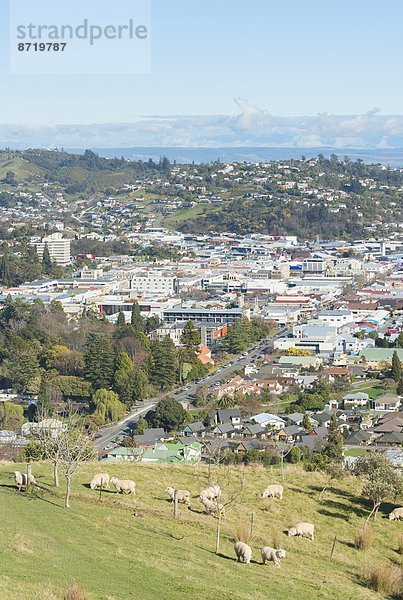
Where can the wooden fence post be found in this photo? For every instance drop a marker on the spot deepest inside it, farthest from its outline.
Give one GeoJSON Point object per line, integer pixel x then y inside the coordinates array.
{"type": "Point", "coordinates": [333, 546]}
{"type": "Point", "coordinates": [175, 503]}
{"type": "Point", "coordinates": [29, 475]}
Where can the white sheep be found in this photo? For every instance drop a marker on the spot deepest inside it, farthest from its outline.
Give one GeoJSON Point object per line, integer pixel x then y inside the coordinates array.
{"type": "Point", "coordinates": [182, 495]}
{"type": "Point", "coordinates": [213, 508]}
{"type": "Point", "coordinates": [124, 485]}
{"type": "Point", "coordinates": [21, 479]}
{"type": "Point", "coordinates": [100, 479]}
{"type": "Point", "coordinates": [243, 551]}
{"type": "Point", "coordinates": [303, 530]}
{"type": "Point", "coordinates": [396, 514]}
{"type": "Point", "coordinates": [273, 491]}
{"type": "Point", "coordinates": [212, 492]}
{"type": "Point", "coordinates": [273, 555]}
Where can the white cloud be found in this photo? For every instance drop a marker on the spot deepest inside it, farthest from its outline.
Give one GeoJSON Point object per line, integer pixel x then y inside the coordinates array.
{"type": "Point", "coordinates": [253, 126]}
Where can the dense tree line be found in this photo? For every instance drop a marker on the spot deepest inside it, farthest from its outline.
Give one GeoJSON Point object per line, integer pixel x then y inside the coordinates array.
{"type": "Point", "coordinates": [105, 368]}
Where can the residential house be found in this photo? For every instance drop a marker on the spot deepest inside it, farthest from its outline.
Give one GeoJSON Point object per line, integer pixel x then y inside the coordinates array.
{"type": "Point", "coordinates": [357, 399]}
{"type": "Point", "coordinates": [229, 415]}
{"type": "Point", "coordinates": [359, 438]}
{"type": "Point", "coordinates": [225, 430]}
{"type": "Point", "coordinates": [197, 429]}
{"type": "Point", "coordinates": [386, 402]}
{"type": "Point", "coordinates": [254, 430]}
{"type": "Point", "coordinates": [248, 445]}
{"type": "Point", "coordinates": [268, 420]}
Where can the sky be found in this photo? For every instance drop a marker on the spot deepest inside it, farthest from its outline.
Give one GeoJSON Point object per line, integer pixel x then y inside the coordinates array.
{"type": "Point", "coordinates": [228, 72]}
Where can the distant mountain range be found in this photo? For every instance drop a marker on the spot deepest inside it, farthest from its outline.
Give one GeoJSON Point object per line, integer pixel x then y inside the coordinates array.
{"type": "Point", "coordinates": [391, 156]}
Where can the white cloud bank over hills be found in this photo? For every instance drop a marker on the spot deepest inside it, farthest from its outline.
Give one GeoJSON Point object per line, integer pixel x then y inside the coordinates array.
{"type": "Point", "coordinates": [251, 127]}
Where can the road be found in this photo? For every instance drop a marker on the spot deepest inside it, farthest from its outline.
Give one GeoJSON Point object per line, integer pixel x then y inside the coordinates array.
{"type": "Point", "coordinates": [184, 395]}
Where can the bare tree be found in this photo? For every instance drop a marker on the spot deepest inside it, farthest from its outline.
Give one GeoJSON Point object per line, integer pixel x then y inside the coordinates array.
{"type": "Point", "coordinates": [215, 451]}
{"type": "Point", "coordinates": [283, 449]}
{"type": "Point", "coordinates": [75, 448]}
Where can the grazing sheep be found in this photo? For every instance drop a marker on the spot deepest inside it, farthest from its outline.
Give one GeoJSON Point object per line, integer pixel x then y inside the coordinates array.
{"type": "Point", "coordinates": [212, 492]}
{"type": "Point", "coordinates": [273, 491]}
{"type": "Point", "coordinates": [396, 514]}
{"type": "Point", "coordinates": [213, 508]}
{"type": "Point", "coordinates": [100, 479]}
{"type": "Point", "coordinates": [243, 551]}
{"type": "Point", "coordinates": [303, 530]}
{"type": "Point", "coordinates": [21, 479]}
{"type": "Point", "coordinates": [182, 495]}
{"type": "Point", "coordinates": [124, 486]}
{"type": "Point", "coordinates": [273, 554]}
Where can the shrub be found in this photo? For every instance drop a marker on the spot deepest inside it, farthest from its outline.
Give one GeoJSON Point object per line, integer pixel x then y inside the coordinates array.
{"type": "Point", "coordinates": [386, 579]}
{"type": "Point", "coordinates": [243, 533]}
{"type": "Point", "coordinates": [75, 592]}
{"type": "Point", "coordinates": [364, 537]}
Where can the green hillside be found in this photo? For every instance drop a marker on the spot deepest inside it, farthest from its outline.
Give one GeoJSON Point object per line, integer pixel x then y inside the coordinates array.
{"type": "Point", "coordinates": [23, 169]}
{"type": "Point", "coordinates": [117, 549]}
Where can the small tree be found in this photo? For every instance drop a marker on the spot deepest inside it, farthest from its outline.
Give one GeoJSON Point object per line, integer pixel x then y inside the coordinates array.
{"type": "Point", "coordinates": [75, 449]}
{"type": "Point", "coordinates": [382, 482]}
{"type": "Point", "coordinates": [306, 422]}
{"type": "Point", "coordinates": [334, 471]}
{"type": "Point", "coordinates": [335, 441]}
{"type": "Point", "coordinates": [282, 450]}
{"type": "Point", "coordinates": [396, 367]}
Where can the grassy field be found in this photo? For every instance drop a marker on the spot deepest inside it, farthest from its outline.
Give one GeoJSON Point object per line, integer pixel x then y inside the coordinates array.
{"type": "Point", "coordinates": [118, 548]}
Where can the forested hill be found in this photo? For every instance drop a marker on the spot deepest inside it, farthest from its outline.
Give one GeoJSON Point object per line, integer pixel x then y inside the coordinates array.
{"type": "Point", "coordinates": [85, 173]}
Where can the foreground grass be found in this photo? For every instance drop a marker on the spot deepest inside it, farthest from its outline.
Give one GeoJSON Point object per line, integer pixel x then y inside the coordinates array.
{"type": "Point", "coordinates": [119, 548]}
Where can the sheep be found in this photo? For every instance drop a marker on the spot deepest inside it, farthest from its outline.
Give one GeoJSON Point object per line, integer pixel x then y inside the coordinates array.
{"type": "Point", "coordinates": [243, 551]}
{"type": "Point", "coordinates": [182, 495]}
{"type": "Point", "coordinates": [124, 485]}
{"type": "Point", "coordinates": [303, 530]}
{"type": "Point", "coordinates": [273, 554]}
{"type": "Point", "coordinates": [100, 479]}
{"type": "Point", "coordinates": [212, 492]}
{"type": "Point", "coordinates": [273, 491]}
{"type": "Point", "coordinates": [396, 514]}
{"type": "Point", "coordinates": [21, 479]}
{"type": "Point", "coordinates": [213, 508]}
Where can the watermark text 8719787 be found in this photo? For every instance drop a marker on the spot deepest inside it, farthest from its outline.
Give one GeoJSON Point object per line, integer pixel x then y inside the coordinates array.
{"type": "Point", "coordinates": [42, 47]}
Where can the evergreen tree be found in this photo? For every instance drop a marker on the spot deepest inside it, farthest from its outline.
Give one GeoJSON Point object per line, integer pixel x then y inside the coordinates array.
{"type": "Point", "coordinates": [164, 365]}
{"type": "Point", "coordinates": [168, 414]}
{"type": "Point", "coordinates": [121, 322]}
{"type": "Point", "coordinates": [140, 426]}
{"type": "Point", "coordinates": [399, 389]}
{"type": "Point", "coordinates": [137, 320]}
{"type": "Point", "coordinates": [121, 379]}
{"type": "Point", "coordinates": [46, 261]}
{"type": "Point", "coordinates": [138, 385]}
{"type": "Point", "coordinates": [99, 360]}
{"type": "Point", "coordinates": [306, 422]}
{"type": "Point", "coordinates": [334, 446]}
{"type": "Point", "coordinates": [5, 267]}
{"type": "Point", "coordinates": [190, 339]}
{"type": "Point", "coordinates": [396, 367]}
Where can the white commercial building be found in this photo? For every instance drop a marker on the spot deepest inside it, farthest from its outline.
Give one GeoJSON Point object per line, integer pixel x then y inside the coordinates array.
{"type": "Point", "coordinates": [154, 282]}
{"type": "Point", "coordinates": [58, 246]}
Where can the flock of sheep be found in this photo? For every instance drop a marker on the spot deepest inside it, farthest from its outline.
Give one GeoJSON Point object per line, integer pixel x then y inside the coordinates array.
{"type": "Point", "coordinates": [210, 498]}
{"type": "Point", "coordinates": [123, 486]}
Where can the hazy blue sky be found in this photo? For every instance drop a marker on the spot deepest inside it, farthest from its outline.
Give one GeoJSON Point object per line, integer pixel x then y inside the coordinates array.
{"type": "Point", "coordinates": [288, 58]}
